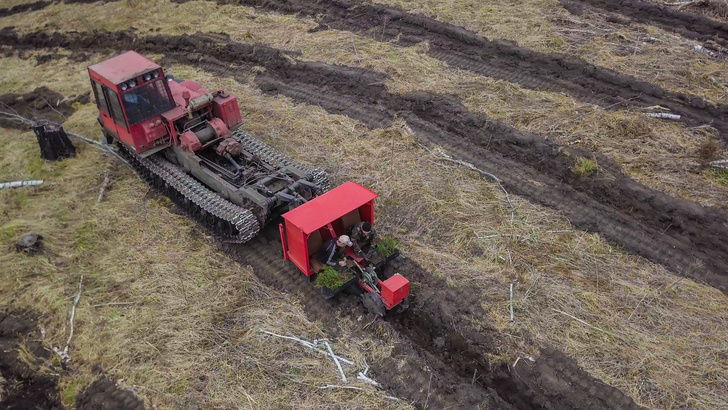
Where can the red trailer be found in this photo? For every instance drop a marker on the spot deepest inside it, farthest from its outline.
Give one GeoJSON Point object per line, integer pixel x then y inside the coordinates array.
{"type": "Point", "coordinates": [330, 215]}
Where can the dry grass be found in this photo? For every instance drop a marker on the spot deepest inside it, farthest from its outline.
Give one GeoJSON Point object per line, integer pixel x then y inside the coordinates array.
{"type": "Point", "coordinates": [664, 341]}
{"type": "Point", "coordinates": [188, 333]}
{"type": "Point", "coordinates": [665, 336]}
{"type": "Point", "coordinates": [658, 153]}
{"type": "Point", "coordinates": [715, 9]}
{"type": "Point", "coordinates": [526, 22]}
{"type": "Point", "coordinates": [648, 53]}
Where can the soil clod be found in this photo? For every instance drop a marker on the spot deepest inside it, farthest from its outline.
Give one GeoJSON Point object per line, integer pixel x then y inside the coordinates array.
{"type": "Point", "coordinates": [30, 243]}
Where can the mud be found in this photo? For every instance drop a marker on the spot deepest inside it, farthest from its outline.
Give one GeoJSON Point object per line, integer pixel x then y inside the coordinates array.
{"type": "Point", "coordinates": [692, 26]}
{"type": "Point", "coordinates": [24, 8]}
{"type": "Point", "coordinates": [499, 59]}
{"type": "Point", "coordinates": [24, 387]}
{"type": "Point", "coordinates": [104, 394]}
{"type": "Point", "coordinates": [37, 105]}
{"type": "Point", "coordinates": [440, 360]}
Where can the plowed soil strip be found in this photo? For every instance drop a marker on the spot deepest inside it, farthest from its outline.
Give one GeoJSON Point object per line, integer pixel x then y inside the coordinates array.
{"type": "Point", "coordinates": [679, 234]}
{"type": "Point", "coordinates": [499, 59]}
{"type": "Point", "coordinates": [689, 25]}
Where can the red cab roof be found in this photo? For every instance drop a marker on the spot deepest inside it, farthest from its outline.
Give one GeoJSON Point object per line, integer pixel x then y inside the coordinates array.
{"type": "Point", "coordinates": [328, 207]}
{"type": "Point", "coordinates": [124, 66]}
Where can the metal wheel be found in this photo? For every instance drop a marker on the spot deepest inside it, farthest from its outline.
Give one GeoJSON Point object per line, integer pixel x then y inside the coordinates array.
{"type": "Point", "coordinates": [374, 303]}
{"type": "Point", "coordinates": [403, 305]}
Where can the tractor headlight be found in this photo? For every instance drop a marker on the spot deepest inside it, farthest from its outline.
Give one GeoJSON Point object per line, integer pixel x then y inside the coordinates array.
{"type": "Point", "coordinates": [123, 86]}
{"type": "Point", "coordinates": [155, 74]}
{"type": "Point", "coordinates": [132, 83]}
{"type": "Point", "coordinates": [147, 77]}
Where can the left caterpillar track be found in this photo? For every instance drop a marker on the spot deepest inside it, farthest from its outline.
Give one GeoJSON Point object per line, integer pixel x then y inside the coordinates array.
{"type": "Point", "coordinates": [224, 219]}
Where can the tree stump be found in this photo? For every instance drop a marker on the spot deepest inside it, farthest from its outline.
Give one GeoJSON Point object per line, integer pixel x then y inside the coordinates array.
{"type": "Point", "coordinates": [54, 143]}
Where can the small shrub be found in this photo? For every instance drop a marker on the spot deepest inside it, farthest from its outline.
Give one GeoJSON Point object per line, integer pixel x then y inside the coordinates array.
{"type": "Point", "coordinates": [331, 278]}
{"type": "Point", "coordinates": [387, 246]}
{"type": "Point", "coordinates": [584, 167]}
{"type": "Point", "coordinates": [709, 150]}
{"type": "Point", "coordinates": [721, 175]}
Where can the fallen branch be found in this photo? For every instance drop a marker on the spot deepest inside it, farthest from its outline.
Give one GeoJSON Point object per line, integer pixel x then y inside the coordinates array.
{"type": "Point", "coordinates": [584, 322]}
{"type": "Point", "coordinates": [336, 386]}
{"type": "Point", "coordinates": [308, 344]}
{"type": "Point", "coordinates": [104, 185]}
{"type": "Point", "coordinates": [720, 164]}
{"type": "Point", "coordinates": [113, 304]}
{"type": "Point", "coordinates": [472, 167]}
{"type": "Point", "coordinates": [16, 184]}
{"type": "Point", "coordinates": [65, 357]}
{"type": "Point", "coordinates": [664, 115]}
{"type": "Point", "coordinates": [338, 365]}
{"type": "Point", "coordinates": [363, 376]}
{"type": "Point", "coordinates": [511, 302]}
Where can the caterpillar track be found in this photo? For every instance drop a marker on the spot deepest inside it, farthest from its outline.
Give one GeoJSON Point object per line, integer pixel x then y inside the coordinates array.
{"type": "Point", "coordinates": [269, 155]}
{"type": "Point", "coordinates": [223, 219]}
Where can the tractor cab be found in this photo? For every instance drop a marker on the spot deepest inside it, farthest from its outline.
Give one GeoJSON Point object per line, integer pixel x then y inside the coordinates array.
{"type": "Point", "coordinates": [145, 111]}
{"type": "Point", "coordinates": [330, 215]}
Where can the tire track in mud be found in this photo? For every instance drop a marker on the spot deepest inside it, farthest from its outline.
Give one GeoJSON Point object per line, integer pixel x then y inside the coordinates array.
{"type": "Point", "coordinates": [419, 375]}
{"type": "Point", "coordinates": [442, 367]}
{"type": "Point", "coordinates": [24, 8]}
{"type": "Point", "coordinates": [500, 59]}
{"type": "Point", "coordinates": [692, 26]}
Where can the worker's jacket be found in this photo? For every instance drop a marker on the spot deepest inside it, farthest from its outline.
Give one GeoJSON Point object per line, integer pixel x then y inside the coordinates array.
{"type": "Point", "coordinates": [360, 240]}
{"type": "Point", "coordinates": [330, 254]}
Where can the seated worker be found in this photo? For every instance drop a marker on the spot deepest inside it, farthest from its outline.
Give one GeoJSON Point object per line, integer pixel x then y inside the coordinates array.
{"type": "Point", "coordinates": [363, 237]}
{"type": "Point", "coordinates": [332, 251]}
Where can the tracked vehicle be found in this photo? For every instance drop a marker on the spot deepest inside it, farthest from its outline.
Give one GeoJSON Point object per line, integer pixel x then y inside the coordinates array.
{"type": "Point", "coordinates": [186, 140]}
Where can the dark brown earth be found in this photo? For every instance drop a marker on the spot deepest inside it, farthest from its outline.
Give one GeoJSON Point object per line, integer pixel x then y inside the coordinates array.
{"type": "Point", "coordinates": [24, 387]}
{"type": "Point", "coordinates": [23, 8]}
{"type": "Point", "coordinates": [39, 104]}
{"type": "Point", "coordinates": [500, 59]}
{"type": "Point", "coordinates": [687, 238]}
{"type": "Point", "coordinates": [104, 394]}
{"type": "Point", "coordinates": [692, 26]}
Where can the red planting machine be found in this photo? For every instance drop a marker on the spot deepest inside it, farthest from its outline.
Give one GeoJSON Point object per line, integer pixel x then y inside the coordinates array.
{"type": "Point", "coordinates": [329, 216]}
{"type": "Point", "coordinates": [186, 141]}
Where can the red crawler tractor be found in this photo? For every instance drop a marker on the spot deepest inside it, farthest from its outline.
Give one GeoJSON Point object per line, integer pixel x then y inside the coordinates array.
{"type": "Point", "coordinates": [329, 216]}
{"type": "Point", "coordinates": [186, 141]}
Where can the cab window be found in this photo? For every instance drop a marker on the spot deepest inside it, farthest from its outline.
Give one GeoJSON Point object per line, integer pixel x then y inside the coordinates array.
{"type": "Point", "coordinates": [100, 99]}
{"type": "Point", "coordinates": [115, 105]}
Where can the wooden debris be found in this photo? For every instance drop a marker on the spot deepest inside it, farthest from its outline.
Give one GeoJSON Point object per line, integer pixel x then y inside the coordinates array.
{"type": "Point", "coordinates": [16, 184]}
{"type": "Point", "coordinates": [54, 143]}
{"type": "Point", "coordinates": [104, 185]}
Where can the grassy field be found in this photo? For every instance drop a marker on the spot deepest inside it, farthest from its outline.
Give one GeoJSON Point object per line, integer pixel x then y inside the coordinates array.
{"type": "Point", "coordinates": [188, 335]}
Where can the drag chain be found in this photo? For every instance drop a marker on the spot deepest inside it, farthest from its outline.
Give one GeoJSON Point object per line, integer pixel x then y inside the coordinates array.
{"type": "Point", "coordinates": [189, 193]}
{"type": "Point", "coordinates": [272, 157]}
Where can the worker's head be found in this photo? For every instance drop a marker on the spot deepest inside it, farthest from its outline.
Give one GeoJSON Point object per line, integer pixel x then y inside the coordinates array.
{"type": "Point", "coordinates": [366, 227]}
{"type": "Point", "coordinates": [343, 241]}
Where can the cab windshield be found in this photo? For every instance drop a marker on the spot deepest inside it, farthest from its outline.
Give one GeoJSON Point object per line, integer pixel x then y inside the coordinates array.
{"type": "Point", "coordinates": [146, 101]}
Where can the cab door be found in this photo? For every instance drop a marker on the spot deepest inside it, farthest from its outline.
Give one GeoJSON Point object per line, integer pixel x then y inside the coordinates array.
{"type": "Point", "coordinates": [110, 112]}
{"type": "Point", "coordinates": [104, 112]}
